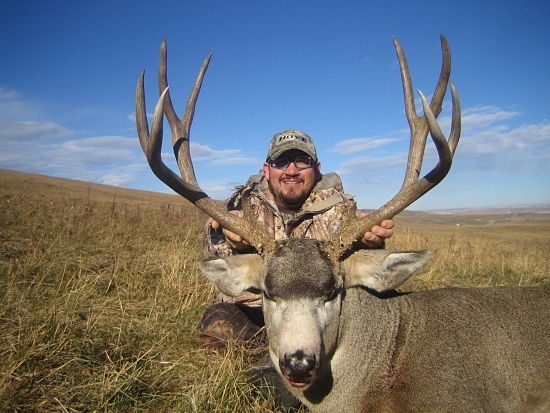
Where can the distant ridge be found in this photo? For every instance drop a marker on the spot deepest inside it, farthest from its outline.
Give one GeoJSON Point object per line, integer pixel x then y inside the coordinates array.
{"type": "Point", "coordinates": [25, 181]}
{"type": "Point", "coordinates": [16, 181]}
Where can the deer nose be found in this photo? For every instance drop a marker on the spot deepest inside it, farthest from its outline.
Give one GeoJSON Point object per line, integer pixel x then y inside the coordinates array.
{"type": "Point", "coordinates": [298, 366]}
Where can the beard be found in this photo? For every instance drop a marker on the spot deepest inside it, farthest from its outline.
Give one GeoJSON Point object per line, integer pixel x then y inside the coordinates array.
{"type": "Point", "coordinates": [291, 199]}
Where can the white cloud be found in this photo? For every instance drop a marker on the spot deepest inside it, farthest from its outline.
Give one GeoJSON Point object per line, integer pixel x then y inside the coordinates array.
{"type": "Point", "coordinates": [497, 144]}
{"type": "Point", "coordinates": [86, 158]}
{"type": "Point", "coordinates": [368, 165]}
{"type": "Point", "coordinates": [480, 117]}
{"type": "Point", "coordinates": [122, 176]}
{"type": "Point", "coordinates": [361, 144]}
{"type": "Point", "coordinates": [13, 105]}
{"type": "Point", "coordinates": [26, 130]}
{"type": "Point", "coordinates": [200, 152]}
{"type": "Point", "coordinates": [218, 189]}
{"type": "Point", "coordinates": [95, 150]}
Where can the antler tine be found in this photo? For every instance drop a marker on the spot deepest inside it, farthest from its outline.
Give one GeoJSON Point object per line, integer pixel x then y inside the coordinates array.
{"type": "Point", "coordinates": [413, 188]}
{"type": "Point", "coordinates": [151, 143]}
{"type": "Point", "coordinates": [181, 128]}
{"type": "Point", "coordinates": [417, 124]}
{"type": "Point", "coordinates": [445, 148]}
{"type": "Point", "coordinates": [456, 124]}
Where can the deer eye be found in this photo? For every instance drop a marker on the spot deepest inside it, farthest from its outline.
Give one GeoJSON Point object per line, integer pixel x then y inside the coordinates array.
{"type": "Point", "coordinates": [268, 296]}
{"type": "Point", "coordinates": [333, 295]}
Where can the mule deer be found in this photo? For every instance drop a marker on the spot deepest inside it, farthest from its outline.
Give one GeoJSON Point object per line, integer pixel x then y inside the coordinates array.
{"type": "Point", "coordinates": [339, 335]}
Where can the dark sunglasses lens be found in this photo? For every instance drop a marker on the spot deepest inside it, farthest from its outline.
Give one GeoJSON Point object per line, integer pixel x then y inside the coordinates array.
{"type": "Point", "coordinates": [303, 162]}
{"type": "Point", "coordinates": [280, 163]}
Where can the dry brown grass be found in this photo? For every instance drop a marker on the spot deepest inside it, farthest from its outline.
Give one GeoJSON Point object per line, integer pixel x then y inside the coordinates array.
{"type": "Point", "coordinates": [101, 296]}
{"type": "Point", "coordinates": [477, 255]}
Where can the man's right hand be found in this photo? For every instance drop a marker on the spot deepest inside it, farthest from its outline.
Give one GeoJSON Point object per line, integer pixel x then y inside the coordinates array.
{"type": "Point", "coordinates": [236, 241]}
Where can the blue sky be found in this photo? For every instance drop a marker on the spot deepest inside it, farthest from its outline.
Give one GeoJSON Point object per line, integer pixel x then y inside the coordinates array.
{"type": "Point", "coordinates": [68, 72]}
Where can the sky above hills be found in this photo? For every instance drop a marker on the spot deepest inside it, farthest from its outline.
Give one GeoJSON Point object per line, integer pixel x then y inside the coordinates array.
{"type": "Point", "coordinates": [68, 72]}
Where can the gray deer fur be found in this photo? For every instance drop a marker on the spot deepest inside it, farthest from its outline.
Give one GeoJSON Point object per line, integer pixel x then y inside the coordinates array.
{"type": "Point", "coordinates": [444, 350]}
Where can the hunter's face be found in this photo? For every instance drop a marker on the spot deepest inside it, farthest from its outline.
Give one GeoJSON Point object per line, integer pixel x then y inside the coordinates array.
{"type": "Point", "coordinates": [291, 187]}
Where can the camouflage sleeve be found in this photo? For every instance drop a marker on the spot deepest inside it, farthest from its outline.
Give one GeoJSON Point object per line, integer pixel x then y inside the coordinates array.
{"type": "Point", "coordinates": [215, 242]}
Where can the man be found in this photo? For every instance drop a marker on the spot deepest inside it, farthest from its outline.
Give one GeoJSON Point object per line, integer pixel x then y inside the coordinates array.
{"type": "Point", "coordinates": [292, 199]}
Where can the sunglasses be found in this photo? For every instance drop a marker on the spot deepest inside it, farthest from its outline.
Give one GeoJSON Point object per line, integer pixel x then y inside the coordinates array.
{"type": "Point", "coordinates": [283, 162]}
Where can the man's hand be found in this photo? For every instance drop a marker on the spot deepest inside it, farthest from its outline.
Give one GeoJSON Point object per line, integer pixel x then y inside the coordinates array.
{"type": "Point", "coordinates": [236, 241]}
{"type": "Point", "coordinates": [376, 236]}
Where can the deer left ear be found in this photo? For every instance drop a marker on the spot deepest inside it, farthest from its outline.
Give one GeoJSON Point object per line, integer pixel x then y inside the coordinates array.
{"type": "Point", "coordinates": [382, 270]}
{"type": "Point", "coordinates": [235, 274]}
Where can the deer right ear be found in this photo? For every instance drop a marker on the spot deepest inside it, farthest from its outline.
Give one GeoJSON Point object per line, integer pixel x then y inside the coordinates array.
{"type": "Point", "coordinates": [235, 274]}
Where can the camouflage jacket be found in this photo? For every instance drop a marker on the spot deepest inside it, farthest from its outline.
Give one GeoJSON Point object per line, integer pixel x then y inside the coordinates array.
{"type": "Point", "coordinates": [319, 218]}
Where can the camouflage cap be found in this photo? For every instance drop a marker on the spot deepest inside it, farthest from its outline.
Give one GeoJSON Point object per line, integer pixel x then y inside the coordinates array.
{"type": "Point", "coordinates": [291, 139]}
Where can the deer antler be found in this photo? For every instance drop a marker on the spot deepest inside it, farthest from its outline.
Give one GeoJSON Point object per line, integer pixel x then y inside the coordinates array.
{"type": "Point", "coordinates": [151, 143]}
{"type": "Point", "coordinates": [413, 188]}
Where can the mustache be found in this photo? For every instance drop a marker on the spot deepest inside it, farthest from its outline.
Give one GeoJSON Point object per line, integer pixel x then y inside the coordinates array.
{"type": "Point", "coordinates": [290, 178]}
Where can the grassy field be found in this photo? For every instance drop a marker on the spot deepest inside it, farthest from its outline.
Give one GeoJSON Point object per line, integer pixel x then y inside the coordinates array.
{"type": "Point", "coordinates": [101, 295]}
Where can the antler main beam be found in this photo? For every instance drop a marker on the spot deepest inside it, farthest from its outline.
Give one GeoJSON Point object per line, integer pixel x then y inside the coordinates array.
{"type": "Point", "coordinates": [186, 186]}
{"type": "Point", "coordinates": [413, 188]}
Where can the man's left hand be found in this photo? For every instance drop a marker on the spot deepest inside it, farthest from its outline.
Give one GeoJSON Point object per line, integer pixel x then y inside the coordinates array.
{"type": "Point", "coordinates": [376, 236]}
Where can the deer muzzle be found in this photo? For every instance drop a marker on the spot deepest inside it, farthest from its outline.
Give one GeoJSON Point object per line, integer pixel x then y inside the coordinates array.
{"type": "Point", "coordinates": [299, 369]}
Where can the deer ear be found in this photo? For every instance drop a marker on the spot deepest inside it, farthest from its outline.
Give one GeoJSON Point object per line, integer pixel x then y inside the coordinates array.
{"type": "Point", "coordinates": [382, 270]}
{"type": "Point", "coordinates": [235, 274]}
